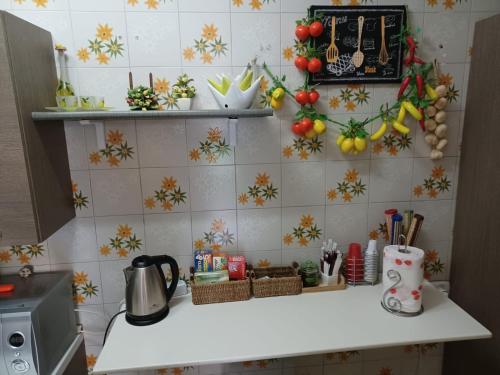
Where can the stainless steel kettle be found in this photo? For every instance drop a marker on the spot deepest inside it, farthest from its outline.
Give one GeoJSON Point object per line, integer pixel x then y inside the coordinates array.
{"type": "Point", "coordinates": [146, 292]}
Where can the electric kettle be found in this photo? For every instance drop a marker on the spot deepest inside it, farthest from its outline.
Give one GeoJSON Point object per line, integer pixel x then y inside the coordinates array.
{"type": "Point", "coordinates": [146, 292]}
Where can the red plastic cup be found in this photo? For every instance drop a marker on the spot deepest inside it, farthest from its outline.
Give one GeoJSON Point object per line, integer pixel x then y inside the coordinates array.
{"type": "Point", "coordinates": [354, 251]}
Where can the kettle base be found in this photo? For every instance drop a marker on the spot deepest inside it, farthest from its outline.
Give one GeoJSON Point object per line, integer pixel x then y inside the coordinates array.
{"type": "Point", "coordinates": [147, 320]}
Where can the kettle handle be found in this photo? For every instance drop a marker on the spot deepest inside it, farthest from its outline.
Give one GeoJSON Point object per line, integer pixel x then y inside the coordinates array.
{"type": "Point", "coordinates": [165, 259]}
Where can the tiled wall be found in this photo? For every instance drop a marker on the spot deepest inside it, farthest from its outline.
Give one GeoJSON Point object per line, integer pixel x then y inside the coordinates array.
{"type": "Point", "coordinates": [171, 186]}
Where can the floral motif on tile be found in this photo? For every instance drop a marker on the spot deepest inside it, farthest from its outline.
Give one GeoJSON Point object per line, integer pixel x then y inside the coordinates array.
{"type": "Point", "coordinates": [447, 4]}
{"type": "Point", "coordinates": [161, 85]}
{"type": "Point", "coordinates": [23, 253]}
{"type": "Point", "coordinates": [351, 97]}
{"type": "Point", "coordinates": [38, 3]}
{"type": "Point", "coordinates": [261, 192]}
{"type": "Point", "coordinates": [219, 237]}
{"type": "Point", "coordinates": [83, 287]}
{"type": "Point", "coordinates": [379, 233]}
{"type": "Point", "coordinates": [436, 183]}
{"type": "Point", "coordinates": [254, 4]}
{"type": "Point", "coordinates": [263, 363]}
{"type": "Point", "coordinates": [263, 263]}
{"type": "Point", "coordinates": [351, 186]}
{"type": "Point", "coordinates": [422, 348]}
{"type": "Point", "coordinates": [288, 53]}
{"type": "Point", "coordinates": [151, 4]}
{"type": "Point", "coordinates": [168, 195]}
{"type": "Point", "coordinates": [452, 93]}
{"type": "Point", "coordinates": [342, 357]}
{"type": "Point", "coordinates": [392, 143]}
{"type": "Point", "coordinates": [303, 148]}
{"type": "Point", "coordinates": [432, 264]}
{"type": "Point", "coordinates": [304, 233]}
{"type": "Point", "coordinates": [123, 243]}
{"type": "Point", "coordinates": [115, 151]}
{"type": "Point", "coordinates": [103, 46]}
{"type": "Point", "coordinates": [80, 200]}
{"type": "Point", "coordinates": [212, 148]}
{"type": "Point", "coordinates": [209, 47]}
{"type": "Point", "coordinates": [91, 361]}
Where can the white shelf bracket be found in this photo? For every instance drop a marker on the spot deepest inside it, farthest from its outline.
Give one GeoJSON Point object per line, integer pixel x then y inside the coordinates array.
{"type": "Point", "coordinates": [232, 130]}
{"type": "Point", "coordinates": [99, 132]}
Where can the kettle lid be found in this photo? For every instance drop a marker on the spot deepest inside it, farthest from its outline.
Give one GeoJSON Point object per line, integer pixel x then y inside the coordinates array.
{"type": "Point", "coordinates": [142, 261]}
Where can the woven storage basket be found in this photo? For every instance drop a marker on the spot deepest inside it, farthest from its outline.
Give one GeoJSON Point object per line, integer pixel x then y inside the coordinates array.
{"type": "Point", "coordinates": [283, 281]}
{"type": "Point", "coordinates": [226, 291]}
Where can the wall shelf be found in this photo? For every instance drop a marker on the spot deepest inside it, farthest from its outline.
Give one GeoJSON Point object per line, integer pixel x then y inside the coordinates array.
{"type": "Point", "coordinates": [125, 114]}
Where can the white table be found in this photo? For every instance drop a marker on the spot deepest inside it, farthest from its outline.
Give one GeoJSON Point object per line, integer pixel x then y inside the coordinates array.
{"type": "Point", "coordinates": [310, 323]}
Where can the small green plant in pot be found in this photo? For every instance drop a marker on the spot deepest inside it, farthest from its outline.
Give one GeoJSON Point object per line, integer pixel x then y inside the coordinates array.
{"type": "Point", "coordinates": [142, 98]}
{"type": "Point", "coordinates": [183, 92]}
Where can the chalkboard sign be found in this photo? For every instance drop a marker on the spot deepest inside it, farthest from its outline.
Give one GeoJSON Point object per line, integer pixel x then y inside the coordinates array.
{"type": "Point", "coordinates": [379, 56]}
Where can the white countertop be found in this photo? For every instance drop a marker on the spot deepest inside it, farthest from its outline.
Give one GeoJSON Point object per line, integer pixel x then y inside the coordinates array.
{"type": "Point", "coordinates": [310, 323]}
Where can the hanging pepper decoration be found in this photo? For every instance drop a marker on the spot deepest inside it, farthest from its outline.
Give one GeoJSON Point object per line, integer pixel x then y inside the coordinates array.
{"type": "Point", "coordinates": [404, 86]}
{"type": "Point", "coordinates": [420, 85]}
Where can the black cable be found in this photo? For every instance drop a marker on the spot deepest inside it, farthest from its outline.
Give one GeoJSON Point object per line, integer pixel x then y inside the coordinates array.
{"type": "Point", "coordinates": [109, 325]}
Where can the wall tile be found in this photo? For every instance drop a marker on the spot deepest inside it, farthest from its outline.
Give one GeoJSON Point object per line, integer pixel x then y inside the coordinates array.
{"type": "Point", "coordinates": [15, 257]}
{"type": "Point", "coordinates": [256, 38]}
{"type": "Point", "coordinates": [303, 184]}
{"type": "Point", "coordinates": [116, 192]}
{"type": "Point", "coordinates": [87, 287]}
{"type": "Point", "coordinates": [82, 193]}
{"type": "Point", "coordinates": [433, 180]}
{"type": "Point", "coordinates": [112, 83]}
{"type": "Point", "coordinates": [266, 258]}
{"type": "Point", "coordinates": [161, 143]}
{"type": "Point", "coordinates": [93, 320]}
{"type": "Point", "coordinates": [346, 223]}
{"type": "Point", "coordinates": [113, 280]}
{"type": "Point", "coordinates": [165, 190]}
{"type": "Point", "coordinates": [216, 230]}
{"type": "Point", "coordinates": [212, 188]}
{"type": "Point", "coordinates": [75, 142]}
{"type": "Point", "coordinates": [203, 6]}
{"type": "Point", "coordinates": [344, 369]}
{"type": "Point", "coordinates": [258, 6]}
{"type": "Point", "coordinates": [347, 182]}
{"type": "Point", "coordinates": [5, 4]}
{"type": "Point", "coordinates": [259, 229]}
{"type": "Point", "coordinates": [438, 219]}
{"type": "Point", "coordinates": [74, 242]}
{"type": "Point", "coordinates": [151, 5]}
{"type": "Point", "coordinates": [158, 48]}
{"type": "Point", "coordinates": [390, 180]}
{"type": "Point", "coordinates": [120, 237]}
{"type": "Point", "coordinates": [302, 227]}
{"type": "Point", "coordinates": [258, 141]}
{"type": "Point", "coordinates": [258, 185]}
{"type": "Point", "coordinates": [92, 5]}
{"type": "Point", "coordinates": [208, 142]}
{"type": "Point", "coordinates": [168, 233]}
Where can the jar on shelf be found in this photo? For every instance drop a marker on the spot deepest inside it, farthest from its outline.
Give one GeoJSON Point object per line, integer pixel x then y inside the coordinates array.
{"type": "Point", "coordinates": [310, 274]}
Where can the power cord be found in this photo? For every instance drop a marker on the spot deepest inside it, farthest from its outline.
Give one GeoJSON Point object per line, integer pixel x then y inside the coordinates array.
{"type": "Point", "coordinates": [109, 325]}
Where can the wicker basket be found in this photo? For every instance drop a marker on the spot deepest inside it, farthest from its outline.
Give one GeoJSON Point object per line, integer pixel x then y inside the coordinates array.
{"type": "Point", "coordinates": [226, 291]}
{"type": "Point", "coordinates": [283, 281]}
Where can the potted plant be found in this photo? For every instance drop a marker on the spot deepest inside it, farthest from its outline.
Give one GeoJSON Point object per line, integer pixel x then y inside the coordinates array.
{"type": "Point", "coordinates": [183, 92]}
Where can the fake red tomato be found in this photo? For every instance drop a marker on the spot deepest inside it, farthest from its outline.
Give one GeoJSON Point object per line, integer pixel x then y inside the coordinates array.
{"type": "Point", "coordinates": [301, 63]}
{"type": "Point", "coordinates": [313, 96]}
{"type": "Point", "coordinates": [315, 29]}
{"type": "Point", "coordinates": [302, 32]}
{"type": "Point", "coordinates": [314, 65]}
{"type": "Point", "coordinates": [305, 125]}
{"type": "Point", "coordinates": [302, 97]}
{"type": "Point", "coordinates": [297, 129]}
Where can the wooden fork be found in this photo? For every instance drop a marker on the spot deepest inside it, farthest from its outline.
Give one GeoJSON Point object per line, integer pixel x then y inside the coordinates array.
{"type": "Point", "coordinates": [332, 53]}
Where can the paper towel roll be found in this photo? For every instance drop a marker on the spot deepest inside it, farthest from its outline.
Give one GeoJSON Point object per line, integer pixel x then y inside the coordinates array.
{"type": "Point", "coordinates": [403, 274]}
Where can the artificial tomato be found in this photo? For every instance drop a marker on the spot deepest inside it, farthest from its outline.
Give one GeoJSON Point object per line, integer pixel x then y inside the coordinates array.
{"type": "Point", "coordinates": [302, 32]}
{"type": "Point", "coordinates": [313, 96]}
{"type": "Point", "coordinates": [301, 62]}
{"type": "Point", "coordinates": [315, 29]}
{"type": "Point", "coordinates": [301, 97]}
{"type": "Point", "coordinates": [305, 125]}
{"type": "Point", "coordinates": [297, 129]}
{"type": "Point", "coordinates": [314, 65]}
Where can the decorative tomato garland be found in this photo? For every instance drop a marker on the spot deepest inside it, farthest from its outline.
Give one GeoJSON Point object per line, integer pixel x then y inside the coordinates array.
{"type": "Point", "coordinates": [416, 97]}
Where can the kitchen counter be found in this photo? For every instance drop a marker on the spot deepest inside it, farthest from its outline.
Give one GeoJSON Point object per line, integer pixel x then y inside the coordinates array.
{"type": "Point", "coordinates": [310, 323]}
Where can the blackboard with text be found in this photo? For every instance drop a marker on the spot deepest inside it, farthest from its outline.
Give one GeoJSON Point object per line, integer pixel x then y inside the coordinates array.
{"type": "Point", "coordinates": [373, 56]}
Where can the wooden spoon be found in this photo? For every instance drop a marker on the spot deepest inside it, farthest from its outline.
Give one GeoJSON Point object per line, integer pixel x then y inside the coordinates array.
{"type": "Point", "coordinates": [358, 56]}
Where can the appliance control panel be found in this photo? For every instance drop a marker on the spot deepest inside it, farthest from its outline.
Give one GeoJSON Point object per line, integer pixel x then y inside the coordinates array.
{"type": "Point", "coordinates": [19, 352]}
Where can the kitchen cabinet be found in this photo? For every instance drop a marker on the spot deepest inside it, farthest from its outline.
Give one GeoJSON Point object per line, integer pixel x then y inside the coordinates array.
{"type": "Point", "coordinates": [35, 182]}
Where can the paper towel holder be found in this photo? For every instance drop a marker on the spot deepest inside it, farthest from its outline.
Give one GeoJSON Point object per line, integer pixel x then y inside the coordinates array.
{"type": "Point", "coordinates": [393, 304]}
{"type": "Point", "coordinates": [402, 238]}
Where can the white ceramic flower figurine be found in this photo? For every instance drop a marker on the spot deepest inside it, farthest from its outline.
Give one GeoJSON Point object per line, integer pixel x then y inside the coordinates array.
{"type": "Point", "coordinates": [235, 94]}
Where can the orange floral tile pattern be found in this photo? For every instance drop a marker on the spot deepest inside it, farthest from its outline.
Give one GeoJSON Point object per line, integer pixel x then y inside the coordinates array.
{"type": "Point", "coordinates": [436, 183]}
{"type": "Point", "coordinates": [351, 186]}
{"type": "Point", "coordinates": [304, 233]}
{"type": "Point", "coordinates": [38, 3]}
{"type": "Point", "coordinates": [212, 148]}
{"type": "Point", "coordinates": [254, 4]}
{"type": "Point", "coordinates": [80, 200]}
{"type": "Point", "coordinates": [261, 192]}
{"type": "Point", "coordinates": [342, 357]}
{"type": "Point", "coordinates": [392, 143]}
{"type": "Point", "coordinates": [217, 238]}
{"type": "Point", "coordinates": [22, 253]}
{"type": "Point", "coordinates": [83, 287]}
{"type": "Point", "coordinates": [115, 151]}
{"type": "Point", "coordinates": [103, 46]}
{"type": "Point", "coordinates": [351, 97]}
{"type": "Point", "coordinates": [303, 148]}
{"type": "Point", "coordinates": [168, 195]}
{"type": "Point", "coordinates": [208, 47]}
{"type": "Point", "coordinates": [123, 243]}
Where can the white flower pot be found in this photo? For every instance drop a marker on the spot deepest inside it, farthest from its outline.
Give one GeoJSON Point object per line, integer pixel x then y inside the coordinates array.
{"type": "Point", "coordinates": [184, 104]}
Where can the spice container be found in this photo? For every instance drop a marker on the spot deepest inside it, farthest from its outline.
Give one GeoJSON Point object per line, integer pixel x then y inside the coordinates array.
{"type": "Point", "coordinates": [310, 273]}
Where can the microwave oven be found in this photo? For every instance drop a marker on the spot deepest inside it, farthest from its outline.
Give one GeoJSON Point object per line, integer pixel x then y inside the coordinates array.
{"type": "Point", "coordinates": [37, 323]}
